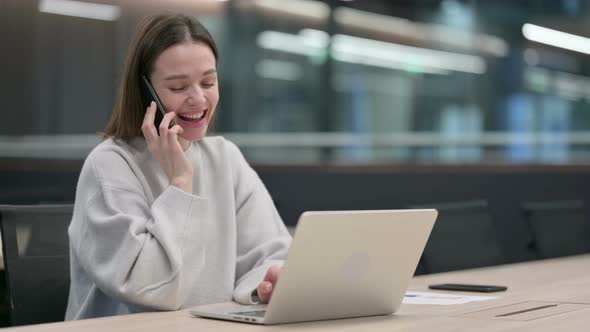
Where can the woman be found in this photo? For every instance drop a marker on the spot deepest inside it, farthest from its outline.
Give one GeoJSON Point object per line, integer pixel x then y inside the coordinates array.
{"type": "Point", "coordinates": [166, 218]}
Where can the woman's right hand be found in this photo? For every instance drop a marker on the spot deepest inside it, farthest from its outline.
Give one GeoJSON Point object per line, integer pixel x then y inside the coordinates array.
{"type": "Point", "coordinates": [166, 148]}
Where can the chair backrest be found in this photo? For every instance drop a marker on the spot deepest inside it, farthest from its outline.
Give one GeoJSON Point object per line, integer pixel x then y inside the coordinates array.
{"type": "Point", "coordinates": [558, 228]}
{"type": "Point", "coordinates": [36, 261]}
{"type": "Point", "coordinates": [463, 237]}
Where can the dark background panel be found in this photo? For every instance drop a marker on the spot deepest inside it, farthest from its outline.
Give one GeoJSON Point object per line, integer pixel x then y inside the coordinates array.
{"type": "Point", "coordinates": [300, 188]}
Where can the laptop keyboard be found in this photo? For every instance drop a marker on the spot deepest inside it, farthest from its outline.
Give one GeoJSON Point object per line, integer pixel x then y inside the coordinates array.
{"type": "Point", "coordinates": [253, 313]}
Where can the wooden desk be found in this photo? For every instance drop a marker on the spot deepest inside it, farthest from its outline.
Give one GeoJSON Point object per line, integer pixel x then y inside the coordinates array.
{"type": "Point", "coordinates": [565, 281]}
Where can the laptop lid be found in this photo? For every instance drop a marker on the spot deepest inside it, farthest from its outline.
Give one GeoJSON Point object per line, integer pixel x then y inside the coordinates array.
{"type": "Point", "coordinates": [349, 264]}
{"type": "Point", "coordinates": [345, 264]}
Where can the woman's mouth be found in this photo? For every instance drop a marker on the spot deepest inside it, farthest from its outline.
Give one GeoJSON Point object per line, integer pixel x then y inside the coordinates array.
{"type": "Point", "coordinates": [193, 116]}
{"type": "Point", "coordinates": [193, 119]}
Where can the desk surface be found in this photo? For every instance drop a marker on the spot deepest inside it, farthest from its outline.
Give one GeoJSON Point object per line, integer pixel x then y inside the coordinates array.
{"type": "Point", "coordinates": [563, 281]}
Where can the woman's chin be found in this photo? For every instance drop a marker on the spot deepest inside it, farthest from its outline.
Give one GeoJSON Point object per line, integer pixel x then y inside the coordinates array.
{"type": "Point", "coordinates": [190, 134]}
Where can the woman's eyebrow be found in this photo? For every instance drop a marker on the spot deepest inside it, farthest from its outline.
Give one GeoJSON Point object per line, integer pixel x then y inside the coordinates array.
{"type": "Point", "coordinates": [210, 71]}
{"type": "Point", "coordinates": [184, 76]}
{"type": "Point", "coordinates": [176, 77]}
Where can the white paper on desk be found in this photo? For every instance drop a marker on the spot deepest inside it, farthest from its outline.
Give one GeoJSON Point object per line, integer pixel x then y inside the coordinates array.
{"type": "Point", "coordinates": [442, 299]}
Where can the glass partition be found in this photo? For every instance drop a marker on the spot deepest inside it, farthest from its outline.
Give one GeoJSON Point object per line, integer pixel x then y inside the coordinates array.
{"type": "Point", "coordinates": [306, 81]}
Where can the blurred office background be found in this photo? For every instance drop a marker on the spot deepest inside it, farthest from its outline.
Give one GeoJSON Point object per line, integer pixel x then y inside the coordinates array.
{"type": "Point", "coordinates": [358, 82]}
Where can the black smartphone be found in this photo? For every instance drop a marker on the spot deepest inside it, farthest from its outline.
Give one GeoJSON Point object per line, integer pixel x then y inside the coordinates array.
{"type": "Point", "coordinates": [148, 95]}
{"type": "Point", "coordinates": [469, 288]}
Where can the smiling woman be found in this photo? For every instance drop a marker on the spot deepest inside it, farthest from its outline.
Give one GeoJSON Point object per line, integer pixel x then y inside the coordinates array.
{"type": "Point", "coordinates": [179, 56]}
{"type": "Point", "coordinates": [165, 217]}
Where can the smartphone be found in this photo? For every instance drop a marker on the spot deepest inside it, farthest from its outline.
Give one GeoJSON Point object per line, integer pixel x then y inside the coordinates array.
{"type": "Point", "coordinates": [148, 94]}
{"type": "Point", "coordinates": [469, 287]}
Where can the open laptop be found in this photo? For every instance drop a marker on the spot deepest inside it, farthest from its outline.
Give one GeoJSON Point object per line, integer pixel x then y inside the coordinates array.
{"type": "Point", "coordinates": [341, 264]}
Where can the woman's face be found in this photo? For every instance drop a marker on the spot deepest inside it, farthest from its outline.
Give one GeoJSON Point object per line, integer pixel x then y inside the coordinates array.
{"type": "Point", "coordinates": [185, 79]}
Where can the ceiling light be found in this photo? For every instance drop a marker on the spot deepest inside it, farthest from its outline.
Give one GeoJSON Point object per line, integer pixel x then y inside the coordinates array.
{"type": "Point", "coordinates": [556, 38]}
{"type": "Point", "coordinates": [80, 9]}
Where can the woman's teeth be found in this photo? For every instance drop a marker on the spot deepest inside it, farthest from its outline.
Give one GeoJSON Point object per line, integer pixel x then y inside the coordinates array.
{"type": "Point", "coordinates": [193, 116]}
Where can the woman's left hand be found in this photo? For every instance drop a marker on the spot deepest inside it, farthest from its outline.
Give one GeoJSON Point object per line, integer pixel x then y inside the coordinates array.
{"type": "Point", "coordinates": [267, 286]}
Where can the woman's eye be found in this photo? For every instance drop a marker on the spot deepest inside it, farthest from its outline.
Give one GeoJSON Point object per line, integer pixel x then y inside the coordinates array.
{"type": "Point", "coordinates": [179, 88]}
{"type": "Point", "coordinates": [208, 85]}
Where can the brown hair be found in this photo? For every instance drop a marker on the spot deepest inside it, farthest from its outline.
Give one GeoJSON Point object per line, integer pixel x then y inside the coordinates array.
{"type": "Point", "coordinates": [154, 35]}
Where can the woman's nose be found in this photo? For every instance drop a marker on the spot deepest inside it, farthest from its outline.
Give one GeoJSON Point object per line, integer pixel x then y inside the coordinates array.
{"type": "Point", "coordinates": [197, 97]}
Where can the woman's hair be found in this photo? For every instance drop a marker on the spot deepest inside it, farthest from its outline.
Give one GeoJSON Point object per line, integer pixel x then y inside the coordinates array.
{"type": "Point", "coordinates": [154, 35]}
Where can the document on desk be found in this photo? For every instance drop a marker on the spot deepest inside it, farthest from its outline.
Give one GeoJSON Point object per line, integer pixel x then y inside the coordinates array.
{"type": "Point", "coordinates": [442, 299]}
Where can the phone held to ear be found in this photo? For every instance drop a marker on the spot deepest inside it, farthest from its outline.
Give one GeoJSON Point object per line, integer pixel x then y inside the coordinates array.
{"type": "Point", "coordinates": [469, 288]}
{"type": "Point", "coordinates": [148, 94]}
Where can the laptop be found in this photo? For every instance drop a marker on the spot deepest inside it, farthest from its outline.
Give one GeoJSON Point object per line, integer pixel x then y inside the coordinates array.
{"type": "Point", "coordinates": [341, 264]}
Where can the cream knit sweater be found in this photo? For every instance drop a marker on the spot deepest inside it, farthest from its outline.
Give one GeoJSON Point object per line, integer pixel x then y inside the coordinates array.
{"type": "Point", "coordinates": [139, 244]}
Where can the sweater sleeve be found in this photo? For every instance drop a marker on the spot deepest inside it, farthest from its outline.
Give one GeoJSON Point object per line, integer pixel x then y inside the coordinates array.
{"type": "Point", "coordinates": [262, 238]}
{"type": "Point", "coordinates": [135, 251]}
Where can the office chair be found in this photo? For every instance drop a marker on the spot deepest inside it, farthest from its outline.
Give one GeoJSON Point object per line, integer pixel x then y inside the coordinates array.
{"type": "Point", "coordinates": [463, 237]}
{"type": "Point", "coordinates": [36, 261]}
{"type": "Point", "coordinates": [558, 228]}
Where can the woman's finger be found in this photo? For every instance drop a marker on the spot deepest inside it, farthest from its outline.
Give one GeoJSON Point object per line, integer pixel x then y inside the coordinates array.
{"type": "Point", "coordinates": [180, 130]}
{"type": "Point", "coordinates": [150, 113]}
{"type": "Point", "coordinates": [165, 124]}
{"type": "Point", "coordinates": [272, 274]}
{"type": "Point", "coordinates": [265, 291]}
{"type": "Point", "coordinates": [175, 130]}
{"type": "Point", "coordinates": [147, 127]}
{"type": "Point", "coordinates": [164, 131]}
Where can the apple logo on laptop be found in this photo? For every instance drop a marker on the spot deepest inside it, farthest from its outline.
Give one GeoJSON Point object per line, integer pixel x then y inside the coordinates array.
{"type": "Point", "coordinates": [355, 266]}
